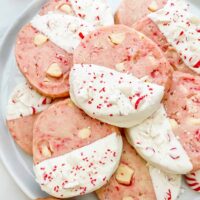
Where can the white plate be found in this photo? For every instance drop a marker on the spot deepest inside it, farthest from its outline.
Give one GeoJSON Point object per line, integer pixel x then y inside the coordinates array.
{"type": "Point", "coordinates": [17, 162]}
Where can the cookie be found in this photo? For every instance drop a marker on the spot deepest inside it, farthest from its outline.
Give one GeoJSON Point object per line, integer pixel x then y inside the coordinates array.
{"type": "Point", "coordinates": [130, 12]}
{"type": "Point", "coordinates": [68, 154]}
{"type": "Point", "coordinates": [182, 106]}
{"type": "Point", "coordinates": [126, 50]}
{"type": "Point", "coordinates": [97, 13]}
{"type": "Point", "coordinates": [176, 31]}
{"type": "Point", "coordinates": [135, 180]}
{"type": "Point", "coordinates": [113, 97]}
{"type": "Point", "coordinates": [193, 180]}
{"type": "Point", "coordinates": [23, 108]}
{"type": "Point", "coordinates": [44, 51]}
{"type": "Point", "coordinates": [156, 142]}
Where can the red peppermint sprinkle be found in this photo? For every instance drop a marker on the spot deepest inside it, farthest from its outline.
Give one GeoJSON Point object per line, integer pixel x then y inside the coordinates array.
{"type": "Point", "coordinates": [33, 110]}
{"type": "Point", "coordinates": [181, 33]}
{"type": "Point", "coordinates": [197, 135]}
{"type": "Point", "coordinates": [81, 35]}
{"type": "Point", "coordinates": [197, 65]}
{"type": "Point", "coordinates": [169, 195]}
{"type": "Point", "coordinates": [44, 102]}
{"type": "Point", "coordinates": [138, 102]}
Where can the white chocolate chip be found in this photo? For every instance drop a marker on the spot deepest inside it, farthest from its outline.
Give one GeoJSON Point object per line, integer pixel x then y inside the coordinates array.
{"type": "Point", "coordinates": [124, 174]}
{"type": "Point", "coordinates": [153, 6]}
{"type": "Point", "coordinates": [173, 123]}
{"type": "Point", "coordinates": [117, 38]}
{"type": "Point", "coordinates": [127, 198]}
{"type": "Point", "coordinates": [193, 121]}
{"type": "Point", "coordinates": [84, 133]}
{"type": "Point", "coordinates": [54, 70]}
{"type": "Point", "coordinates": [120, 67]}
{"type": "Point", "coordinates": [65, 8]}
{"type": "Point", "coordinates": [70, 104]}
{"type": "Point", "coordinates": [46, 80]}
{"type": "Point", "coordinates": [45, 151]}
{"type": "Point", "coordinates": [40, 39]}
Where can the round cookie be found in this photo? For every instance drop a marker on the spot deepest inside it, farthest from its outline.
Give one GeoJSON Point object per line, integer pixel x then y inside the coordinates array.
{"type": "Point", "coordinates": [135, 180]}
{"type": "Point", "coordinates": [185, 114]}
{"type": "Point", "coordinates": [44, 51]}
{"type": "Point", "coordinates": [23, 108]}
{"type": "Point", "coordinates": [156, 142]}
{"type": "Point", "coordinates": [130, 12]}
{"type": "Point", "coordinates": [68, 154]}
{"type": "Point", "coordinates": [95, 12]}
{"type": "Point", "coordinates": [193, 180]}
{"type": "Point", "coordinates": [126, 50]}
{"type": "Point", "coordinates": [124, 102]}
{"type": "Point", "coordinates": [176, 44]}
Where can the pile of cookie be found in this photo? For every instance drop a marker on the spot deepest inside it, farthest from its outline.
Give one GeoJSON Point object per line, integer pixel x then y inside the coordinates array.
{"type": "Point", "coordinates": [110, 104]}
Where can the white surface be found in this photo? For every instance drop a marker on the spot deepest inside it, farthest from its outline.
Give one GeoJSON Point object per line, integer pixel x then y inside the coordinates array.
{"type": "Point", "coordinates": [18, 164]}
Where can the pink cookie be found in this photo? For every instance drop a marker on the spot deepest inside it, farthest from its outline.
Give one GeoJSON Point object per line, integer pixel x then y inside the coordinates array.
{"type": "Point", "coordinates": [126, 50]}
{"type": "Point", "coordinates": [182, 106]}
{"type": "Point", "coordinates": [68, 154]}
{"type": "Point", "coordinates": [23, 108]}
{"type": "Point", "coordinates": [131, 11]}
{"type": "Point", "coordinates": [177, 45]}
{"type": "Point", "coordinates": [135, 180]}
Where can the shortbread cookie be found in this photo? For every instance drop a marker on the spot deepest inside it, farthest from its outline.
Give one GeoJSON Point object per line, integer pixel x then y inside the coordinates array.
{"type": "Point", "coordinates": [156, 142]}
{"type": "Point", "coordinates": [130, 12]}
{"type": "Point", "coordinates": [44, 51]}
{"type": "Point", "coordinates": [113, 97]}
{"type": "Point", "coordinates": [177, 33]}
{"type": "Point", "coordinates": [95, 12]}
{"type": "Point", "coordinates": [126, 50]}
{"type": "Point", "coordinates": [135, 180]}
{"type": "Point", "coordinates": [23, 108]}
{"type": "Point", "coordinates": [73, 153]}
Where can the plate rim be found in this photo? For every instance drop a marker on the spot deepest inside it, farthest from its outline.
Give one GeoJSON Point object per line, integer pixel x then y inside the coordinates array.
{"type": "Point", "coordinates": [3, 42]}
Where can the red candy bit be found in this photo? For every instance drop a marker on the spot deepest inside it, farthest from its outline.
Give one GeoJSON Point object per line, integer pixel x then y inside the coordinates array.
{"type": "Point", "coordinates": [168, 195]}
{"type": "Point", "coordinates": [154, 73]}
{"type": "Point", "coordinates": [104, 179]}
{"type": "Point", "coordinates": [117, 188]}
{"type": "Point", "coordinates": [197, 65]}
{"type": "Point", "coordinates": [33, 110]}
{"type": "Point", "coordinates": [181, 33]}
{"type": "Point", "coordinates": [56, 188]}
{"type": "Point", "coordinates": [102, 90]}
{"type": "Point", "coordinates": [197, 135]}
{"type": "Point", "coordinates": [81, 35]}
{"type": "Point", "coordinates": [93, 181]}
{"type": "Point", "coordinates": [138, 101]}
{"type": "Point", "coordinates": [188, 79]}
{"type": "Point", "coordinates": [174, 157]}
{"type": "Point", "coordinates": [44, 102]}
